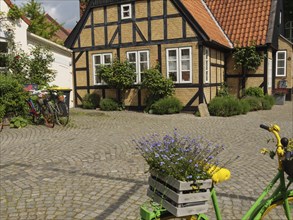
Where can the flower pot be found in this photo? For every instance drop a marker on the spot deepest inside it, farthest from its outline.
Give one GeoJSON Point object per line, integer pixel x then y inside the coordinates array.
{"type": "Point", "coordinates": [288, 167]}
{"type": "Point", "coordinates": [178, 197]}
{"type": "Point", "coordinates": [280, 99]}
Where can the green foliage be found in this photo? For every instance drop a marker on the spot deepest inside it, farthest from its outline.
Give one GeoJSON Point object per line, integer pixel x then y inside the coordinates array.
{"type": "Point", "coordinates": [266, 104]}
{"type": "Point", "coordinates": [270, 98]}
{"type": "Point", "coordinates": [18, 122]}
{"type": "Point", "coordinates": [168, 105]}
{"type": "Point", "coordinates": [227, 106]}
{"type": "Point", "coordinates": [12, 96]}
{"type": "Point", "coordinates": [223, 91]}
{"type": "Point", "coordinates": [254, 91]}
{"type": "Point", "coordinates": [33, 68]}
{"type": "Point", "coordinates": [247, 58]}
{"type": "Point", "coordinates": [255, 103]}
{"type": "Point", "coordinates": [14, 13]}
{"type": "Point", "coordinates": [108, 105]}
{"type": "Point", "coordinates": [2, 112]}
{"type": "Point", "coordinates": [119, 75]}
{"type": "Point", "coordinates": [158, 86]}
{"type": "Point", "coordinates": [39, 23]}
{"type": "Point", "coordinates": [90, 101]}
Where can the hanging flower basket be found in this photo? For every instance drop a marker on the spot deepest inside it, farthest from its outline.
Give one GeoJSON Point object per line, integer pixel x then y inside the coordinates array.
{"type": "Point", "coordinates": [178, 197]}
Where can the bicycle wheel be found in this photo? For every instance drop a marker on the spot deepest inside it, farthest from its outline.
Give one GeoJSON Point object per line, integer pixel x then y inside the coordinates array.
{"type": "Point", "coordinates": [277, 211]}
{"type": "Point", "coordinates": [48, 116]}
{"type": "Point", "coordinates": [62, 114]}
{"type": "Point", "coordinates": [36, 114]}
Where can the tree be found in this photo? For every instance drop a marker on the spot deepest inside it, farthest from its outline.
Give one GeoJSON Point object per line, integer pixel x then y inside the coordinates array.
{"type": "Point", "coordinates": [39, 24]}
{"type": "Point", "coordinates": [119, 75]}
{"type": "Point", "coordinates": [248, 59]}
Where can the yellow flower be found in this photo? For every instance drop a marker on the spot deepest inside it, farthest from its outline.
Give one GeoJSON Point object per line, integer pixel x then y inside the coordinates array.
{"type": "Point", "coordinates": [264, 151]}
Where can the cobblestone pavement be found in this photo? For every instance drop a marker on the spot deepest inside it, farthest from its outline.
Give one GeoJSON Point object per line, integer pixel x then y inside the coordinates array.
{"type": "Point", "coordinates": [91, 170]}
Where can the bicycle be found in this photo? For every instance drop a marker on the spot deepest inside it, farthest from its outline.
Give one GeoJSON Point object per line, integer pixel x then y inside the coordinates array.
{"type": "Point", "coordinates": [59, 108]}
{"type": "Point", "coordinates": [39, 108]}
{"type": "Point", "coordinates": [262, 207]}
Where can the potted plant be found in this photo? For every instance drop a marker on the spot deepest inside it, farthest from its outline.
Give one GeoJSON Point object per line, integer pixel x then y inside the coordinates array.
{"type": "Point", "coordinates": [280, 95]}
{"type": "Point", "coordinates": [180, 171]}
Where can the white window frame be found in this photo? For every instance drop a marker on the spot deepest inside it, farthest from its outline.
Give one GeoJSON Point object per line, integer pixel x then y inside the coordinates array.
{"type": "Point", "coordinates": [285, 63]}
{"type": "Point", "coordinates": [124, 11]}
{"type": "Point", "coordinates": [206, 65]}
{"type": "Point", "coordinates": [179, 60]}
{"type": "Point", "coordinates": [138, 62]}
{"type": "Point", "coordinates": [102, 55]}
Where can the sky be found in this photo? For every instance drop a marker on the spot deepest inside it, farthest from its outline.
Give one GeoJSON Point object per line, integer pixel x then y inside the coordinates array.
{"type": "Point", "coordinates": [66, 12]}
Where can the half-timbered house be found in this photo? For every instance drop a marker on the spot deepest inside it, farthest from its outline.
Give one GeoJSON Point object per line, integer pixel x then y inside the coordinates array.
{"type": "Point", "coordinates": [191, 40]}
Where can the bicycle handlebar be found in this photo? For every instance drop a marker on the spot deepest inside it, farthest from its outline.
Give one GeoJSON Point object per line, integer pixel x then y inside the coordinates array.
{"type": "Point", "coordinates": [265, 127]}
{"type": "Point", "coordinates": [275, 129]}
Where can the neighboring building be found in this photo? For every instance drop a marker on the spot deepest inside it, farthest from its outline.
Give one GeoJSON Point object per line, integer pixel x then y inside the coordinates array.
{"type": "Point", "coordinates": [192, 40]}
{"type": "Point", "coordinates": [26, 40]}
{"type": "Point", "coordinates": [61, 35]}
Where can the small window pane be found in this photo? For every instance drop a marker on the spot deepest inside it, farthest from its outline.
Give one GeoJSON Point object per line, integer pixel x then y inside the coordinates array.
{"type": "Point", "coordinates": [107, 59]}
{"type": "Point", "coordinates": [281, 55]}
{"type": "Point", "coordinates": [172, 55]}
{"type": "Point", "coordinates": [3, 47]}
{"type": "Point", "coordinates": [143, 67]}
{"type": "Point", "coordinates": [281, 63]}
{"type": "Point", "coordinates": [97, 59]}
{"type": "Point", "coordinates": [132, 57]}
{"type": "Point", "coordinates": [172, 65]}
{"type": "Point", "coordinates": [280, 71]}
{"type": "Point", "coordinates": [173, 76]}
{"type": "Point", "coordinates": [185, 54]}
{"type": "Point", "coordinates": [185, 65]}
{"type": "Point", "coordinates": [186, 75]}
{"type": "Point", "coordinates": [144, 56]}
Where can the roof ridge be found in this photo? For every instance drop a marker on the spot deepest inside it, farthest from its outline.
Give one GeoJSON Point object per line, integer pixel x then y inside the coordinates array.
{"type": "Point", "coordinates": [217, 23]}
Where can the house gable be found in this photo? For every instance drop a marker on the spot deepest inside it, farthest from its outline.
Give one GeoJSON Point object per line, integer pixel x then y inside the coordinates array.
{"type": "Point", "coordinates": [152, 22]}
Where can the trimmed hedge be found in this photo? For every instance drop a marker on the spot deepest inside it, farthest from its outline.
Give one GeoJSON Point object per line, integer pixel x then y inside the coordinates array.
{"type": "Point", "coordinates": [227, 106]}
{"type": "Point", "coordinates": [254, 91]}
{"type": "Point", "coordinates": [168, 105]}
{"type": "Point", "coordinates": [108, 105]}
{"type": "Point", "coordinates": [254, 102]}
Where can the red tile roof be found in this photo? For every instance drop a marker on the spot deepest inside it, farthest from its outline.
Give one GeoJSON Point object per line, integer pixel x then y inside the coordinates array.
{"type": "Point", "coordinates": [60, 34]}
{"type": "Point", "coordinates": [205, 19]}
{"type": "Point", "coordinates": [244, 21]}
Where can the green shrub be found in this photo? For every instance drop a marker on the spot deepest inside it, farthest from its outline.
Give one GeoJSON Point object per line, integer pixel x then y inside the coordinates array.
{"type": "Point", "coordinates": [2, 112]}
{"type": "Point", "coordinates": [254, 102]}
{"type": "Point", "coordinates": [245, 106]}
{"type": "Point", "coordinates": [18, 122]}
{"type": "Point", "coordinates": [158, 87]}
{"type": "Point", "coordinates": [266, 105]}
{"type": "Point", "coordinates": [270, 98]}
{"type": "Point", "coordinates": [90, 101]}
{"type": "Point", "coordinates": [108, 105]}
{"type": "Point", "coordinates": [12, 96]}
{"type": "Point", "coordinates": [254, 91]}
{"type": "Point", "coordinates": [226, 106]}
{"type": "Point", "coordinates": [168, 105]}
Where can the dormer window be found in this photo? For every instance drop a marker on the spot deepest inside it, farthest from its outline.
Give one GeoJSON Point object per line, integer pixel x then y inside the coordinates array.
{"type": "Point", "coordinates": [126, 11]}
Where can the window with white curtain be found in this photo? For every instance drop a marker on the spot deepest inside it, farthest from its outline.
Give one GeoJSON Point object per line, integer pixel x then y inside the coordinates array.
{"type": "Point", "coordinates": [179, 67]}
{"type": "Point", "coordinates": [140, 61]}
{"type": "Point", "coordinates": [98, 61]}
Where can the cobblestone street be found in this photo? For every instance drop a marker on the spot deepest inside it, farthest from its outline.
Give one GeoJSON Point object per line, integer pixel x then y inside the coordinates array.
{"type": "Point", "coordinates": [91, 169]}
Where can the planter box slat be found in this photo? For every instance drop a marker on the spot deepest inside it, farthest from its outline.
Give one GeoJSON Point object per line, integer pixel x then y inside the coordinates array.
{"type": "Point", "coordinates": [179, 198]}
{"type": "Point", "coordinates": [179, 211]}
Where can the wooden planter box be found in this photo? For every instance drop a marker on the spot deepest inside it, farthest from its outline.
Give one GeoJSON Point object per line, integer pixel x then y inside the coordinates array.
{"type": "Point", "coordinates": [179, 197]}
{"type": "Point", "coordinates": [280, 99]}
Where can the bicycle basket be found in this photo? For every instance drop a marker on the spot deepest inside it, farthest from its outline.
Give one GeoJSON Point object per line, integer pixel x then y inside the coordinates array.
{"type": "Point", "coordinates": [288, 167]}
